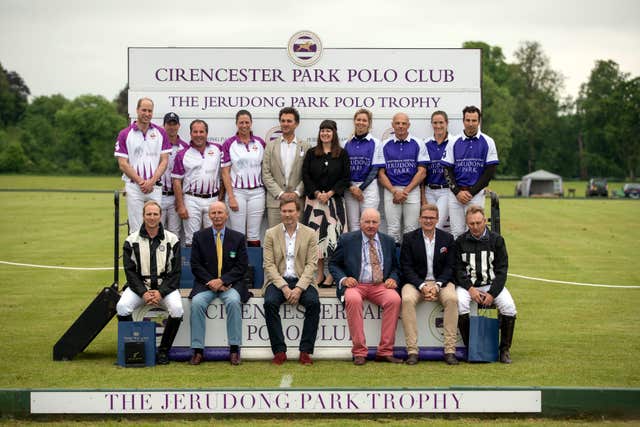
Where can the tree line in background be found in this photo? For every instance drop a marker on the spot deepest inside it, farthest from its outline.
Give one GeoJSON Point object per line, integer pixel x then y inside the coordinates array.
{"type": "Point", "coordinates": [597, 134]}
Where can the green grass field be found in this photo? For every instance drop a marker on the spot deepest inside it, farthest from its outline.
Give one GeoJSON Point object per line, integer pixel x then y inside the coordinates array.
{"type": "Point", "coordinates": [565, 335]}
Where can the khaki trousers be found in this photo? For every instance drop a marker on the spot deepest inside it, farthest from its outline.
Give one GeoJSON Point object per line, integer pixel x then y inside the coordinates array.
{"type": "Point", "coordinates": [449, 300]}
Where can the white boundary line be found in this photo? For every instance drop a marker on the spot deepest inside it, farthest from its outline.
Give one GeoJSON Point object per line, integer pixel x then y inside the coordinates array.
{"type": "Point", "coordinates": [56, 267]}
{"type": "Point", "coordinates": [596, 285]}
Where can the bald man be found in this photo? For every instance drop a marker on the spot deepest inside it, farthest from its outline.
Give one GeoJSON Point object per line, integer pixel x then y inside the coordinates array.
{"type": "Point", "coordinates": [405, 161]}
{"type": "Point", "coordinates": [218, 262]}
{"type": "Point", "coordinates": [365, 267]}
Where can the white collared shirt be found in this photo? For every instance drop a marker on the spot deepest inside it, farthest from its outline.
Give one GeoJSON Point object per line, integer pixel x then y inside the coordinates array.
{"type": "Point", "coordinates": [290, 253]}
{"type": "Point", "coordinates": [430, 248]}
{"type": "Point", "coordinates": [288, 152]}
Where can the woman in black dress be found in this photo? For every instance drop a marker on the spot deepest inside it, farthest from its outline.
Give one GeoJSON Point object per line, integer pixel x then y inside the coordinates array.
{"type": "Point", "coordinates": [326, 174]}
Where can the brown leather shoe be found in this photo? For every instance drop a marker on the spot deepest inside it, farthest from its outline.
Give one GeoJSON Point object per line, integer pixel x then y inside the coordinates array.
{"type": "Point", "coordinates": [450, 359]}
{"type": "Point", "coordinates": [279, 358]}
{"type": "Point", "coordinates": [305, 358]}
{"type": "Point", "coordinates": [389, 359]}
{"type": "Point", "coordinates": [359, 360]}
{"type": "Point", "coordinates": [234, 358]}
{"type": "Point", "coordinates": [412, 359]}
{"type": "Point", "coordinates": [196, 359]}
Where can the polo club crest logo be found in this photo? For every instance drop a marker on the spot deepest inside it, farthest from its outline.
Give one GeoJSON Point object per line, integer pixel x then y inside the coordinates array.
{"type": "Point", "coordinates": [305, 48]}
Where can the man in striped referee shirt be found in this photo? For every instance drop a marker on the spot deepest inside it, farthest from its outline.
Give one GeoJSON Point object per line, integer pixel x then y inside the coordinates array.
{"type": "Point", "coordinates": [481, 273]}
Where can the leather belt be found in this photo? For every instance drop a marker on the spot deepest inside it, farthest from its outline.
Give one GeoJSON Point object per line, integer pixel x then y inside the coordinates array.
{"type": "Point", "coordinates": [436, 186]}
{"type": "Point", "coordinates": [202, 196]}
{"type": "Point", "coordinates": [167, 193]}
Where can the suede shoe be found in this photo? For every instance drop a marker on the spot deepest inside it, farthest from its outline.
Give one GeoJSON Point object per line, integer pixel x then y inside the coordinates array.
{"type": "Point", "coordinates": [279, 358]}
{"type": "Point", "coordinates": [359, 360]}
{"type": "Point", "coordinates": [196, 359]}
{"type": "Point", "coordinates": [389, 359]}
{"type": "Point", "coordinates": [305, 358]}
{"type": "Point", "coordinates": [412, 359]}
{"type": "Point", "coordinates": [234, 358]}
{"type": "Point", "coordinates": [450, 359]}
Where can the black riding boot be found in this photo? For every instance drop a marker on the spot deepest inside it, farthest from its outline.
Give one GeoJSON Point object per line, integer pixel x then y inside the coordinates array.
{"type": "Point", "coordinates": [463, 325]}
{"type": "Point", "coordinates": [170, 332]}
{"type": "Point", "coordinates": [127, 318]}
{"type": "Point", "coordinates": [507, 323]}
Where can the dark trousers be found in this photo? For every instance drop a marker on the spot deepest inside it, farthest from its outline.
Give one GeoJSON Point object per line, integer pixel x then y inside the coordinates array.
{"type": "Point", "coordinates": [273, 299]}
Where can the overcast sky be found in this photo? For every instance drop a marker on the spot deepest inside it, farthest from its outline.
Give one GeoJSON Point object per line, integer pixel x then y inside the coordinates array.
{"type": "Point", "coordinates": [75, 47]}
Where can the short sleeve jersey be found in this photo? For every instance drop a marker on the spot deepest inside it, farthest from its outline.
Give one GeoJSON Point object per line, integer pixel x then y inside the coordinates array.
{"type": "Point", "coordinates": [166, 177]}
{"type": "Point", "coordinates": [402, 158]}
{"type": "Point", "coordinates": [469, 156]}
{"type": "Point", "coordinates": [435, 170]}
{"type": "Point", "coordinates": [364, 154]}
{"type": "Point", "coordinates": [245, 161]}
{"type": "Point", "coordinates": [142, 149]}
{"type": "Point", "coordinates": [200, 172]}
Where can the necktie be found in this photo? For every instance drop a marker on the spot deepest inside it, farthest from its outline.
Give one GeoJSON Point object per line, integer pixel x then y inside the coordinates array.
{"type": "Point", "coordinates": [219, 252]}
{"type": "Point", "coordinates": [376, 269]}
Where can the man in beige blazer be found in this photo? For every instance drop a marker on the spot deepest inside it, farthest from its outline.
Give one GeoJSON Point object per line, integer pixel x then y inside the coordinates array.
{"type": "Point", "coordinates": [282, 164]}
{"type": "Point", "coordinates": [290, 262]}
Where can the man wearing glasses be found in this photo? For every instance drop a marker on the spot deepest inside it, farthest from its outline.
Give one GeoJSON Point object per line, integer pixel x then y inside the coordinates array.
{"type": "Point", "coordinates": [427, 261]}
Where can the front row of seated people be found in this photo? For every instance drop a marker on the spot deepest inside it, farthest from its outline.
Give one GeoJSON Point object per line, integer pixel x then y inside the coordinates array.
{"type": "Point", "coordinates": [432, 267]}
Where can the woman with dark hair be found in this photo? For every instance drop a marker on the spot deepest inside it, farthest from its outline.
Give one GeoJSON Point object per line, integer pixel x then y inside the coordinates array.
{"type": "Point", "coordinates": [325, 173]}
{"type": "Point", "coordinates": [242, 177]}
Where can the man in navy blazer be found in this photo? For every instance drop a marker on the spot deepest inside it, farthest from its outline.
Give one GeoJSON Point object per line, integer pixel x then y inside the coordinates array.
{"type": "Point", "coordinates": [427, 260]}
{"type": "Point", "coordinates": [365, 267]}
{"type": "Point", "coordinates": [229, 286]}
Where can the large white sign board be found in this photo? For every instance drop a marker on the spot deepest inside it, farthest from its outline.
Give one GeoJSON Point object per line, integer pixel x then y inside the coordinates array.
{"type": "Point", "coordinates": [214, 83]}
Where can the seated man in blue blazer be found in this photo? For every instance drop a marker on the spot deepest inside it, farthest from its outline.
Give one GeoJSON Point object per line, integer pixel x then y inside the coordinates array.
{"type": "Point", "coordinates": [218, 274]}
{"type": "Point", "coordinates": [427, 260]}
{"type": "Point", "coordinates": [365, 267]}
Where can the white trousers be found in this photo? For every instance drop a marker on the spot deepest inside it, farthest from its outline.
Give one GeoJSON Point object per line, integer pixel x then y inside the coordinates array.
{"type": "Point", "coordinates": [504, 302]}
{"type": "Point", "coordinates": [457, 212]}
{"type": "Point", "coordinates": [402, 218]}
{"type": "Point", "coordinates": [248, 219]}
{"type": "Point", "coordinates": [440, 198]}
{"type": "Point", "coordinates": [170, 218]}
{"type": "Point", "coordinates": [198, 209]}
{"type": "Point", "coordinates": [355, 208]}
{"type": "Point", "coordinates": [135, 202]}
{"type": "Point", "coordinates": [129, 301]}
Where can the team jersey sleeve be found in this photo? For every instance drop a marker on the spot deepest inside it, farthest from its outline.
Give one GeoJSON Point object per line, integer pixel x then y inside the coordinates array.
{"type": "Point", "coordinates": [492, 151]}
{"type": "Point", "coordinates": [423, 154]}
{"type": "Point", "coordinates": [166, 144]}
{"type": "Point", "coordinates": [226, 153]}
{"type": "Point", "coordinates": [448, 157]}
{"type": "Point", "coordinates": [178, 165]}
{"type": "Point", "coordinates": [121, 144]}
{"type": "Point", "coordinates": [378, 154]}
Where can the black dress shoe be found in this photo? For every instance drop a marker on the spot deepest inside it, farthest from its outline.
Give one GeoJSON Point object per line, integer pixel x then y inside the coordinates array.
{"type": "Point", "coordinates": [389, 359]}
{"type": "Point", "coordinates": [196, 359]}
{"type": "Point", "coordinates": [234, 358]}
{"type": "Point", "coordinates": [412, 359]}
{"type": "Point", "coordinates": [450, 359]}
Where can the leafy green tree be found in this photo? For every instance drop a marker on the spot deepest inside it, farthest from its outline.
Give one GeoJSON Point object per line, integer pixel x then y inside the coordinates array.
{"type": "Point", "coordinates": [88, 128]}
{"type": "Point", "coordinates": [14, 95]}
{"type": "Point", "coordinates": [609, 110]}
{"type": "Point", "coordinates": [535, 87]}
{"type": "Point", "coordinates": [497, 101]}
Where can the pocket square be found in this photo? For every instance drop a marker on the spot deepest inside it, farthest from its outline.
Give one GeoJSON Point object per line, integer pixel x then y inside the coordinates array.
{"type": "Point", "coordinates": [443, 250]}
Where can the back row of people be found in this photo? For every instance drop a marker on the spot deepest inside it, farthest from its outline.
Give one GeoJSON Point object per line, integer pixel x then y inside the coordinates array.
{"type": "Point", "coordinates": [336, 181]}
